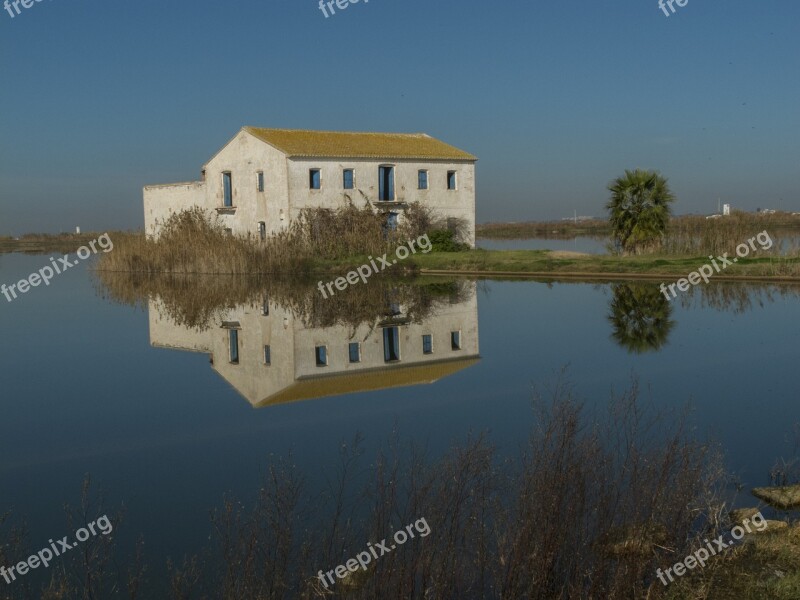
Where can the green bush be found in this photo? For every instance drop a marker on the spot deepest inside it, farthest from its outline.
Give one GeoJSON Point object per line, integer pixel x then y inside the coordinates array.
{"type": "Point", "coordinates": [444, 240]}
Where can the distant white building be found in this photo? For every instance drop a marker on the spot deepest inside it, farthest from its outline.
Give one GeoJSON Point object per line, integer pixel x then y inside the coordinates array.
{"type": "Point", "coordinates": [726, 210]}
{"type": "Point", "coordinates": [261, 180]}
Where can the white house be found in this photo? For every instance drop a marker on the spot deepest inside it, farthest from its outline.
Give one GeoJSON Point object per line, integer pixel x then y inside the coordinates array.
{"type": "Point", "coordinates": [261, 180]}
{"type": "Point", "coordinates": [271, 357]}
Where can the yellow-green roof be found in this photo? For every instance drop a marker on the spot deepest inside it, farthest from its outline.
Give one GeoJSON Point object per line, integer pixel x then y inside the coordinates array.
{"type": "Point", "coordinates": [369, 380]}
{"type": "Point", "coordinates": [300, 143]}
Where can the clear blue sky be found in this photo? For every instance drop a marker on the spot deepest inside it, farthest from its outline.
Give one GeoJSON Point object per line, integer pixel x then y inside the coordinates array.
{"type": "Point", "coordinates": [556, 98]}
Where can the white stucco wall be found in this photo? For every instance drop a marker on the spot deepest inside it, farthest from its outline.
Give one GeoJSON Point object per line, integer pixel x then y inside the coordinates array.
{"type": "Point", "coordinates": [244, 156]}
{"type": "Point", "coordinates": [252, 377]}
{"type": "Point", "coordinates": [461, 317]}
{"type": "Point", "coordinates": [161, 201]}
{"type": "Point", "coordinates": [459, 203]}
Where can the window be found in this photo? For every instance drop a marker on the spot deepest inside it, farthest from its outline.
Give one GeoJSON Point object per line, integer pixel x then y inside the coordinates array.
{"type": "Point", "coordinates": [265, 307]}
{"type": "Point", "coordinates": [321, 353]}
{"type": "Point", "coordinates": [267, 355]}
{"type": "Point", "coordinates": [233, 342]}
{"type": "Point", "coordinates": [422, 177]}
{"type": "Point", "coordinates": [391, 344]}
{"type": "Point", "coordinates": [427, 344]}
{"type": "Point", "coordinates": [455, 340]}
{"type": "Point", "coordinates": [260, 181]}
{"type": "Point", "coordinates": [347, 176]}
{"type": "Point", "coordinates": [227, 189]}
{"type": "Point", "coordinates": [451, 180]}
{"type": "Point", "coordinates": [355, 352]}
{"type": "Point", "coordinates": [262, 230]}
{"type": "Point", "coordinates": [229, 231]}
{"type": "Point", "coordinates": [314, 179]}
{"type": "Point", "coordinates": [386, 184]}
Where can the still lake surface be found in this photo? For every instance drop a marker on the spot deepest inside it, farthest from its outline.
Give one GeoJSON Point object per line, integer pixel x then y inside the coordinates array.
{"type": "Point", "coordinates": [122, 393]}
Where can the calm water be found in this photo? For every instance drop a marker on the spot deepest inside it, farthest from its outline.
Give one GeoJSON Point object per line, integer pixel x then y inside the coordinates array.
{"type": "Point", "coordinates": [789, 244]}
{"type": "Point", "coordinates": [123, 393]}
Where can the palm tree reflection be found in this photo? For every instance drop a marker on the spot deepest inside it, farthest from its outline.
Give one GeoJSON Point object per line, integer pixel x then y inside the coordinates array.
{"type": "Point", "coordinates": [640, 316]}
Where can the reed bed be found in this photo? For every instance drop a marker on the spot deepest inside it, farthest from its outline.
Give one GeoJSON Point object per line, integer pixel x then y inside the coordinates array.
{"type": "Point", "coordinates": [588, 509]}
{"type": "Point", "coordinates": [548, 230]}
{"type": "Point", "coordinates": [194, 241]}
{"type": "Point", "coordinates": [692, 236]}
{"type": "Point", "coordinates": [198, 301]}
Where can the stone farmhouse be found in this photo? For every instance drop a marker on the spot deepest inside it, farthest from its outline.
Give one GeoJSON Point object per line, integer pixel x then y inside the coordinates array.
{"type": "Point", "coordinates": [263, 178]}
{"type": "Point", "coordinates": [270, 356]}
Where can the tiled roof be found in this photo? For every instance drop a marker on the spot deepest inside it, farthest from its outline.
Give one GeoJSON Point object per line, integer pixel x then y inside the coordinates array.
{"type": "Point", "coordinates": [299, 143]}
{"type": "Point", "coordinates": [364, 381]}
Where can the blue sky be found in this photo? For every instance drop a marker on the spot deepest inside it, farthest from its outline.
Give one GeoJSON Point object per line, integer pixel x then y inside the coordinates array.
{"type": "Point", "coordinates": [555, 98]}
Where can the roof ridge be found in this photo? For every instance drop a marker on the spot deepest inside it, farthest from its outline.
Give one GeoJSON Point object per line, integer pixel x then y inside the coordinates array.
{"type": "Point", "coordinates": [289, 129]}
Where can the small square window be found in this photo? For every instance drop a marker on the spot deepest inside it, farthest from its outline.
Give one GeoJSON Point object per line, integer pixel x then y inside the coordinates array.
{"type": "Point", "coordinates": [423, 180]}
{"type": "Point", "coordinates": [267, 355]}
{"type": "Point", "coordinates": [314, 180]}
{"type": "Point", "coordinates": [260, 181]}
{"type": "Point", "coordinates": [355, 352]}
{"type": "Point", "coordinates": [321, 353]}
{"type": "Point", "coordinates": [455, 340]}
{"type": "Point", "coordinates": [348, 178]}
{"type": "Point", "coordinates": [451, 180]}
{"type": "Point", "coordinates": [427, 344]}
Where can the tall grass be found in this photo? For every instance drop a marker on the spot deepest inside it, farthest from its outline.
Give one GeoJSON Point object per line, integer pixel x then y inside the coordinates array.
{"type": "Point", "coordinates": [195, 241]}
{"type": "Point", "coordinates": [555, 230]}
{"type": "Point", "coordinates": [691, 235]}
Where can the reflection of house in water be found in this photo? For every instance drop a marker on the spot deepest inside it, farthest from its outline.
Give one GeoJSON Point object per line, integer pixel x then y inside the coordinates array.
{"type": "Point", "coordinates": [271, 357]}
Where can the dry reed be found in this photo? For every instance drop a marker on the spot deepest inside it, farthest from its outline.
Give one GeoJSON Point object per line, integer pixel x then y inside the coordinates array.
{"type": "Point", "coordinates": [194, 241]}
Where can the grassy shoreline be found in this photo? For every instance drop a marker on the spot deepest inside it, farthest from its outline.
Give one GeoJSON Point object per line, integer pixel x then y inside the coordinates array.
{"type": "Point", "coordinates": [65, 243]}
{"type": "Point", "coordinates": [543, 263]}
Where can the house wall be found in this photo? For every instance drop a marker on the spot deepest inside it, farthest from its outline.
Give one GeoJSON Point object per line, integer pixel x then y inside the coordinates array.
{"type": "Point", "coordinates": [244, 156]}
{"type": "Point", "coordinates": [166, 333]}
{"type": "Point", "coordinates": [461, 317]}
{"type": "Point", "coordinates": [459, 203]}
{"type": "Point", "coordinates": [161, 201]}
{"type": "Point", "coordinates": [251, 377]}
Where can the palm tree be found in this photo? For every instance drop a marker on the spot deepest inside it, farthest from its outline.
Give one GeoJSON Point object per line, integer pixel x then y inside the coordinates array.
{"type": "Point", "coordinates": [640, 317]}
{"type": "Point", "coordinates": [639, 209]}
